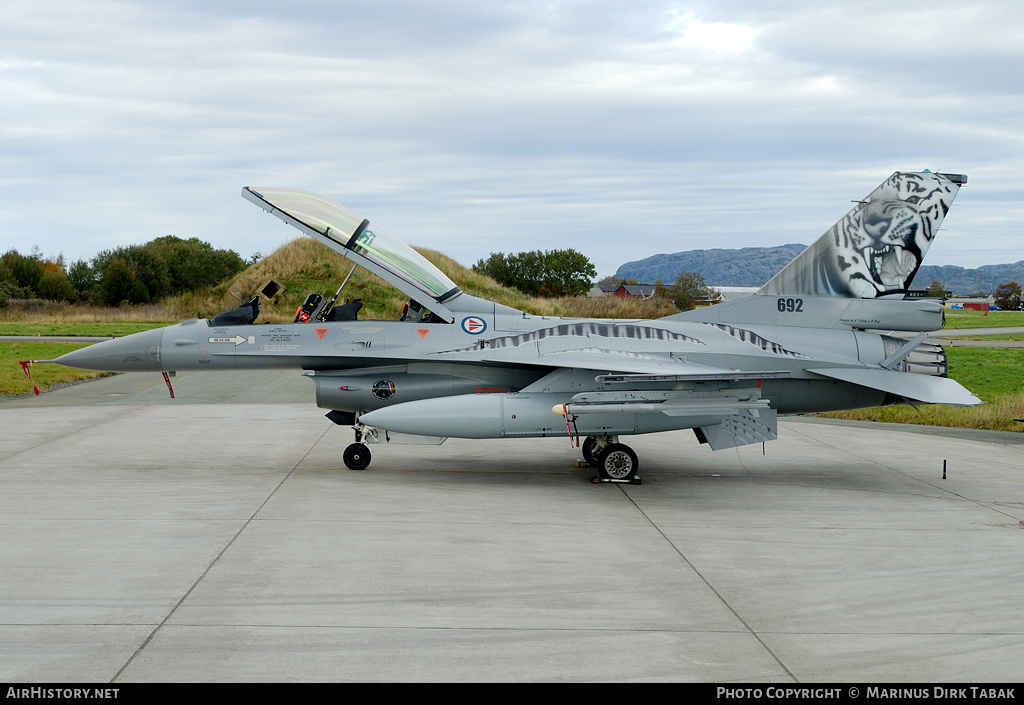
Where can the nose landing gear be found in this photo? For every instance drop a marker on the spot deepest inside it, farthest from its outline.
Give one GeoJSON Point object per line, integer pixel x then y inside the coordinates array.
{"type": "Point", "coordinates": [357, 457]}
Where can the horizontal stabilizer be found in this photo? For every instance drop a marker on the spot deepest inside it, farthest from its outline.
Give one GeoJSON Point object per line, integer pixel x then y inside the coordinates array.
{"type": "Point", "coordinates": [922, 388]}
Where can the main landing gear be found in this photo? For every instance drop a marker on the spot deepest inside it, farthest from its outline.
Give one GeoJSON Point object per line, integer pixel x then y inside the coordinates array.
{"type": "Point", "coordinates": [615, 462]}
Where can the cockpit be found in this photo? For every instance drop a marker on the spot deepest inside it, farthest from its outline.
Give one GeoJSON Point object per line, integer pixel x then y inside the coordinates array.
{"type": "Point", "coordinates": [356, 238]}
{"type": "Point", "coordinates": [432, 296]}
{"type": "Point", "coordinates": [364, 243]}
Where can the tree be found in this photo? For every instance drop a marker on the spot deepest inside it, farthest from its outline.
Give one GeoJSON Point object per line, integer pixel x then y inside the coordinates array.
{"type": "Point", "coordinates": [690, 288]}
{"type": "Point", "coordinates": [567, 273]}
{"type": "Point", "coordinates": [55, 286]}
{"type": "Point", "coordinates": [937, 290]}
{"type": "Point", "coordinates": [1008, 296]}
{"type": "Point", "coordinates": [551, 273]}
{"type": "Point", "coordinates": [169, 265]}
{"type": "Point", "coordinates": [82, 276]}
{"type": "Point", "coordinates": [613, 281]}
{"type": "Point", "coordinates": [193, 264]}
{"type": "Point", "coordinates": [120, 284]}
{"type": "Point", "coordinates": [25, 271]}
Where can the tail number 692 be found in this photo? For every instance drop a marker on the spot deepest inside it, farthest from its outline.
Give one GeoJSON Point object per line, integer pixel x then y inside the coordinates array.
{"type": "Point", "coordinates": [791, 305]}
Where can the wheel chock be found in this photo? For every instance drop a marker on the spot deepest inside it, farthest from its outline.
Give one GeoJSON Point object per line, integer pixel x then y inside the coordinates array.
{"type": "Point", "coordinates": [634, 481]}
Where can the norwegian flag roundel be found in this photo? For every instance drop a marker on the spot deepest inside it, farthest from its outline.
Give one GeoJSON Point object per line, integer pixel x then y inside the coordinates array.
{"type": "Point", "coordinates": [474, 325]}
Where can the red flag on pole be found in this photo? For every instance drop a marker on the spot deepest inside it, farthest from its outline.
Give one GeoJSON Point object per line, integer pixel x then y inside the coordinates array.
{"type": "Point", "coordinates": [24, 366]}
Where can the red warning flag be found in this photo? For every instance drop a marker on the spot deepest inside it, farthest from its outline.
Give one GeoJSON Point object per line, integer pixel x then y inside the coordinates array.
{"type": "Point", "coordinates": [167, 380]}
{"type": "Point", "coordinates": [24, 366]}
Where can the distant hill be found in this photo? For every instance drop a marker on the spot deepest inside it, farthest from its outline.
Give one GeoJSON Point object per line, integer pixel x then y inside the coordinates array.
{"type": "Point", "coordinates": [748, 266]}
{"type": "Point", "coordinates": [967, 281]}
{"type": "Point", "coordinates": [753, 266]}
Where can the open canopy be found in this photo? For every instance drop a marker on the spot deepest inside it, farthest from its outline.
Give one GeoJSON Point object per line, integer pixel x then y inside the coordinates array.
{"type": "Point", "coordinates": [361, 241]}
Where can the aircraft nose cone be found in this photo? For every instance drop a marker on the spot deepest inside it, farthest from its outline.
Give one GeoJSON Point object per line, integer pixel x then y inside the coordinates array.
{"type": "Point", "coordinates": [139, 351]}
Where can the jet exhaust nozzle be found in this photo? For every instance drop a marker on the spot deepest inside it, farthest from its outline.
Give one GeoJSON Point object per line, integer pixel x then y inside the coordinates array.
{"type": "Point", "coordinates": [926, 359]}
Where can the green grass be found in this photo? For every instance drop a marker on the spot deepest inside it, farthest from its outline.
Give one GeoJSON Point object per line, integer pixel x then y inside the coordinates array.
{"type": "Point", "coordinates": [1004, 336]}
{"type": "Point", "coordinates": [13, 379]}
{"type": "Point", "coordinates": [977, 319]}
{"type": "Point", "coordinates": [105, 329]}
{"type": "Point", "coordinates": [996, 375]}
{"type": "Point", "coordinates": [988, 372]}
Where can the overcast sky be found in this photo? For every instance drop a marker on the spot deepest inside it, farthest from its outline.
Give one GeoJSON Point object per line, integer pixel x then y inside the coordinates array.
{"type": "Point", "coordinates": [619, 129]}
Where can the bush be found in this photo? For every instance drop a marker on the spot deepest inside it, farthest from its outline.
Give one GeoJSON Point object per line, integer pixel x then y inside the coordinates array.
{"type": "Point", "coordinates": [121, 285]}
{"type": "Point", "coordinates": [164, 267]}
{"type": "Point", "coordinates": [549, 274]}
{"type": "Point", "coordinates": [56, 287]}
{"type": "Point", "coordinates": [24, 271]}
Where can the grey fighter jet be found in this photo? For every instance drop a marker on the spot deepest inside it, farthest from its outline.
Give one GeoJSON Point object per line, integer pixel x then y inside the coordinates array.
{"type": "Point", "coordinates": [460, 366]}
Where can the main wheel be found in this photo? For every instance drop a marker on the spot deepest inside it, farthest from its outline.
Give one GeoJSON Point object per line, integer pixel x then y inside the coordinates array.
{"type": "Point", "coordinates": [591, 451]}
{"type": "Point", "coordinates": [617, 462]}
{"type": "Point", "coordinates": [357, 457]}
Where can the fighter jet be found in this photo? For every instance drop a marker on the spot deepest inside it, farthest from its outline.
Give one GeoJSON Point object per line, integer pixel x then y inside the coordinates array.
{"type": "Point", "coordinates": [817, 337]}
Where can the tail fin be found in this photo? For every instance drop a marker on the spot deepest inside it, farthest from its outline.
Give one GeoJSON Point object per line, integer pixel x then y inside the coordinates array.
{"type": "Point", "coordinates": [877, 248]}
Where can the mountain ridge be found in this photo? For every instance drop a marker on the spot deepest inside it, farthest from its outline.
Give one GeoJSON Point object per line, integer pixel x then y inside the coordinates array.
{"type": "Point", "coordinates": [753, 266]}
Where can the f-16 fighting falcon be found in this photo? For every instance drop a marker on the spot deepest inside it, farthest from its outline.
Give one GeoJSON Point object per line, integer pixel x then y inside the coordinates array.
{"type": "Point", "coordinates": [456, 365]}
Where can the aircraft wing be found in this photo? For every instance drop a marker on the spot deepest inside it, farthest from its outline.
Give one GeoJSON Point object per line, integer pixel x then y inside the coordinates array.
{"type": "Point", "coordinates": [723, 417]}
{"type": "Point", "coordinates": [612, 365]}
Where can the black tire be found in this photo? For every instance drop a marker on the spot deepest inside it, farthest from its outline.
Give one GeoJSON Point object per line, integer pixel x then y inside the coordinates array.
{"type": "Point", "coordinates": [617, 462]}
{"type": "Point", "coordinates": [591, 451]}
{"type": "Point", "coordinates": [357, 457]}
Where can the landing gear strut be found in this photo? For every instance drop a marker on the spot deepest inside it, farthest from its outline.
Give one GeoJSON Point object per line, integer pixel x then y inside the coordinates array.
{"type": "Point", "coordinates": [357, 455]}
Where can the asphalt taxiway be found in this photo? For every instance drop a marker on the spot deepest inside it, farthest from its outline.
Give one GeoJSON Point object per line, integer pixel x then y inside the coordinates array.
{"type": "Point", "coordinates": [219, 537]}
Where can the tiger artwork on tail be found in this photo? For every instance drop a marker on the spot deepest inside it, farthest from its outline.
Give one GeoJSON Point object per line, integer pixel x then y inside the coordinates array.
{"type": "Point", "coordinates": [875, 249]}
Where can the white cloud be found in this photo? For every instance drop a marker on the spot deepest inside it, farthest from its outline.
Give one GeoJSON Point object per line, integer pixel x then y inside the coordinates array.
{"type": "Point", "coordinates": [718, 38]}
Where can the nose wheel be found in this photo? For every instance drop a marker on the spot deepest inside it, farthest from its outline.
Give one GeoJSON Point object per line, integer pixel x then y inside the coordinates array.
{"type": "Point", "coordinates": [357, 457]}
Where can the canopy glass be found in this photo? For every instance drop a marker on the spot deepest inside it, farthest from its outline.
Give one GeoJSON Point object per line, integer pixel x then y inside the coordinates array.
{"type": "Point", "coordinates": [338, 223]}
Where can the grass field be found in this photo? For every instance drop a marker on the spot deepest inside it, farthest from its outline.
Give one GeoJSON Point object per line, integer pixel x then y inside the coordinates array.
{"type": "Point", "coordinates": [105, 328]}
{"type": "Point", "coordinates": [13, 379]}
{"type": "Point", "coordinates": [1005, 337]}
{"type": "Point", "coordinates": [996, 375]}
{"type": "Point", "coordinates": [977, 319]}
